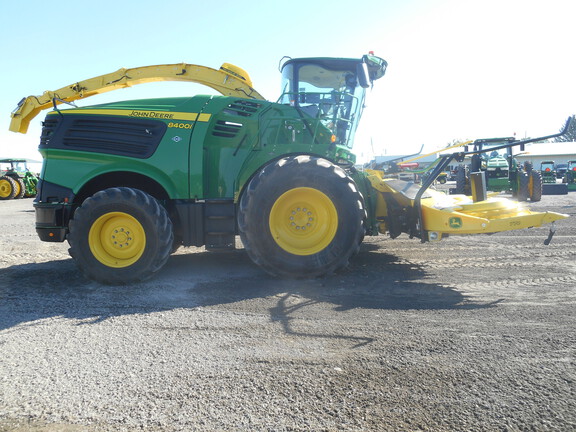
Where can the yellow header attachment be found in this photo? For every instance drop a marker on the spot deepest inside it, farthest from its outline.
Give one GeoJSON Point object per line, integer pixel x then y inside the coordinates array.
{"type": "Point", "coordinates": [457, 214]}
{"type": "Point", "coordinates": [230, 80]}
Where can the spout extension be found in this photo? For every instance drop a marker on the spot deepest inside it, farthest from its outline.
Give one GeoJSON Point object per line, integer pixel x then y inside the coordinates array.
{"type": "Point", "coordinates": [550, 234]}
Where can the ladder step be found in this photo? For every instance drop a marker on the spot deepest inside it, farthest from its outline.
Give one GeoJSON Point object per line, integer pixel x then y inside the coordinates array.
{"type": "Point", "coordinates": [219, 225]}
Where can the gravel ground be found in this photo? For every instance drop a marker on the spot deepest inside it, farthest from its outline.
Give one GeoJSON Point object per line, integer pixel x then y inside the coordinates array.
{"type": "Point", "coordinates": [473, 333]}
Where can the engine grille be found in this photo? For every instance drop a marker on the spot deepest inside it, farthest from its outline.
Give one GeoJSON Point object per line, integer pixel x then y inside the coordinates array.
{"type": "Point", "coordinates": [136, 138]}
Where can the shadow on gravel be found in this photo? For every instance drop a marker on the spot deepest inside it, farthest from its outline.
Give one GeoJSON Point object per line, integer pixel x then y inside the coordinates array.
{"type": "Point", "coordinates": [374, 280]}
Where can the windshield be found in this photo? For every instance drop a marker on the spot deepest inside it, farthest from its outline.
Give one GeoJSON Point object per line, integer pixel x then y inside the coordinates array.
{"type": "Point", "coordinates": [13, 166]}
{"type": "Point", "coordinates": [494, 154]}
{"type": "Point", "coordinates": [327, 92]}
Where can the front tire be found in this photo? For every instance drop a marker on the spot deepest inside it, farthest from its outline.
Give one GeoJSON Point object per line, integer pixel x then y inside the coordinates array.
{"type": "Point", "coordinates": [120, 236]}
{"type": "Point", "coordinates": [7, 188]}
{"type": "Point", "coordinates": [301, 217]}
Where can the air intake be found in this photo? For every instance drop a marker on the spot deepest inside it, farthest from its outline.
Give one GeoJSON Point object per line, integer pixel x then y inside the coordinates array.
{"type": "Point", "coordinates": [243, 108]}
{"type": "Point", "coordinates": [136, 138]}
{"type": "Point", "coordinates": [226, 129]}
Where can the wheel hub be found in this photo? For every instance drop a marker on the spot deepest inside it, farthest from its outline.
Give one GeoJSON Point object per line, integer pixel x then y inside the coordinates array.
{"type": "Point", "coordinates": [121, 238]}
{"type": "Point", "coordinates": [303, 221]}
{"type": "Point", "coordinates": [117, 239]}
{"type": "Point", "coordinates": [5, 188]}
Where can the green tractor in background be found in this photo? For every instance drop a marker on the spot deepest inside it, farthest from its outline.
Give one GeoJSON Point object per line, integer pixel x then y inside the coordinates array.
{"type": "Point", "coordinates": [548, 172]}
{"type": "Point", "coordinates": [502, 172]}
{"type": "Point", "coordinates": [569, 178]}
{"type": "Point", "coordinates": [16, 180]}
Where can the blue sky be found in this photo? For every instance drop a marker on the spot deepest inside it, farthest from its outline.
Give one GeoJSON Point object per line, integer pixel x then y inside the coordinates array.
{"type": "Point", "coordinates": [458, 69]}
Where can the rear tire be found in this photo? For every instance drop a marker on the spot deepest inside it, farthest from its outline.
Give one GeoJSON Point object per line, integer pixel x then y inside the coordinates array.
{"type": "Point", "coordinates": [535, 186]}
{"type": "Point", "coordinates": [301, 217]}
{"type": "Point", "coordinates": [523, 186]}
{"type": "Point", "coordinates": [7, 188]}
{"type": "Point", "coordinates": [120, 236]}
{"type": "Point", "coordinates": [462, 180]}
{"type": "Point", "coordinates": [20, 188]}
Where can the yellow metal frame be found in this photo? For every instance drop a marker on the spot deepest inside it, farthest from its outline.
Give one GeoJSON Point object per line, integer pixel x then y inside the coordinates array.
{"type": "Point", "coordinates": [460, 144]}
{"type": "Point", "coordinates": [229, 80]}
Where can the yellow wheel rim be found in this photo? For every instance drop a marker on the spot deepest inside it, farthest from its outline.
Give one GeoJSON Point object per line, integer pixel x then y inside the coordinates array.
{"type": "Point", "coordinates": [117, 239]}
{"type": "Point", "coordinates": [5, 188]}
{"type": "Point", "coordinates": [303, 221]}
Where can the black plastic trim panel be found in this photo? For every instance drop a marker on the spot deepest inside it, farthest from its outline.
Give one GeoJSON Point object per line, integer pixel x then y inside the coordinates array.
{"type": "Point", "coordinates": [122, 136]}
{"type": "Point", "coordinates": [52, 220]}
{"type": "Point", "coordinates": [53, 193]}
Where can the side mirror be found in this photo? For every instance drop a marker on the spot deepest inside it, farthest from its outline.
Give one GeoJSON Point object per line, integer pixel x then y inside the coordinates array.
{"type": "Point", "coordinates": [363, 76]}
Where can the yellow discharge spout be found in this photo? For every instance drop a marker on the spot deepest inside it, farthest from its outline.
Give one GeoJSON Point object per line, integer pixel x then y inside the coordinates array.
{"type": "Point", "coordinates": [229, 80]}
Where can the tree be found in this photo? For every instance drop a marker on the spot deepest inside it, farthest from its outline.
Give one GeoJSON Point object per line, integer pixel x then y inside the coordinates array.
{"type": "Point", "coordinates": [570, 135]}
